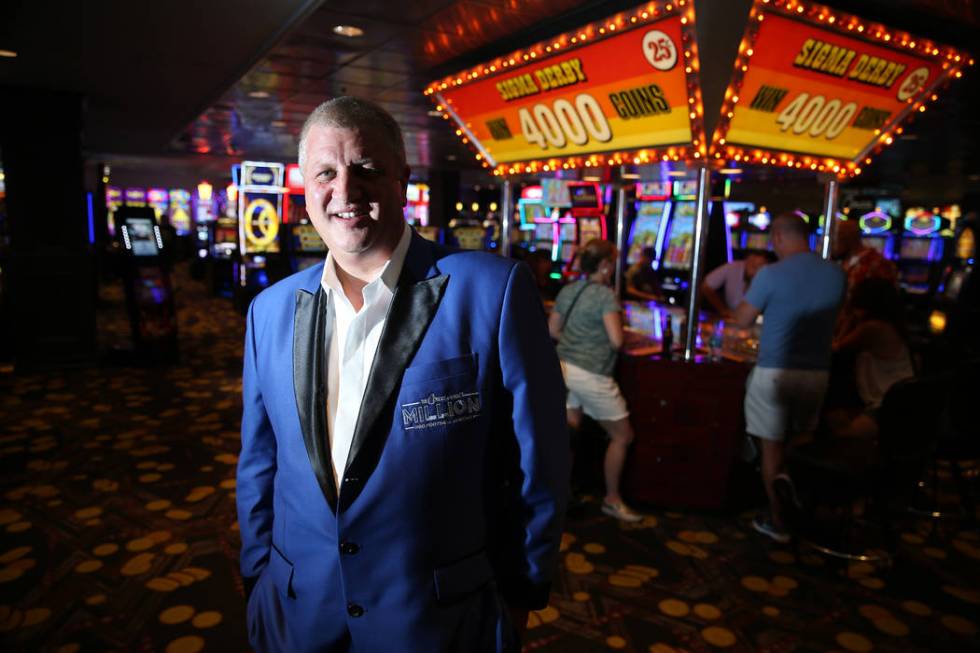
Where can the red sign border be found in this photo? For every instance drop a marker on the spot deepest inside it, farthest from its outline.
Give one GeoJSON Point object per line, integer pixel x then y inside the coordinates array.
{"type": "Point", "coordinates": [953, 62]}
{"type": "Point", "coordinates": [570, 41]}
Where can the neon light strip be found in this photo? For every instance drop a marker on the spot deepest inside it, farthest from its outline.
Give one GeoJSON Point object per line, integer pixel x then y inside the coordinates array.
{"type": "Point", "coordinates": [661, 233]}
{"type": "Point", "coordinates": [91, 219]}
{"type": "Point", "coordinates": [867, 217]}
{"type": "Point", "coordinates": [922, 231]}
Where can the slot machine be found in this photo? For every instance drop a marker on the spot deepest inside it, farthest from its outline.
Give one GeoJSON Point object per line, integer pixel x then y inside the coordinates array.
{"type": "Point", "coordinates": [920, 250]}
{"type": "Point", "coordinates": [956, 308]}
{"type": "Point", "coordinates": [647, 229]}
{"type": "Point", "coordinates": [305, 246]}
{"type": "Point", "coordinates": [737, 220]}
{"type": "Point", "coordinates": [260, 200]}
{"type": "Point", "coordinates": [147, 285]}
{"type": "Point", "coordinates": [531, 211]}
{"type": "Point", "coordinates": [294, 199]}
{"type": "Point", "coordinates": [113, 202]}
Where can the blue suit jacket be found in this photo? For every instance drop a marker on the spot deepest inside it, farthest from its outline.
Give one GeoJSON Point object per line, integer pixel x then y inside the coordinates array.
{"type": "Point", "coordinates": [451, 502]}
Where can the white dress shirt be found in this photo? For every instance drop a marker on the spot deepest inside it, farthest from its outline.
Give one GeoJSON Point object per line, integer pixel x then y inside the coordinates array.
{"type": "Point", "coordinates": [353, 342]}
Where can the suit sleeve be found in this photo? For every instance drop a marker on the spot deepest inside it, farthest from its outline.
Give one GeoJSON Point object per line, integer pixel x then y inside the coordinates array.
{"type": "Point", "coordinates": [256, 468]}
{"type": "Point", "coordinates": [532, 376]}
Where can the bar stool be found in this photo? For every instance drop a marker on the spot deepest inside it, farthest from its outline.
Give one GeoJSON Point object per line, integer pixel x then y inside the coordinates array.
{"type": "Point", "coordinates": [837, 473]}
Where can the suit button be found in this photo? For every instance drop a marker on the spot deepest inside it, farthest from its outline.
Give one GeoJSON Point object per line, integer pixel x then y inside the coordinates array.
{"type": "Point", "coordinates": [349, 548]}
{"type": "Point", "coordinates": [354, 610]}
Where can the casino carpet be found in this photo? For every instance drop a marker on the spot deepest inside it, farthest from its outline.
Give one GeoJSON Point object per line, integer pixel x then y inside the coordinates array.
{"type": "Point", "coordinates": [118, 534]}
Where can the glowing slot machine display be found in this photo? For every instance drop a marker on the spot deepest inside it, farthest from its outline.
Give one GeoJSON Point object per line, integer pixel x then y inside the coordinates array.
{"type": "Point", "coordinates": [921, 249]}
{"type": "Point", "coordinates": [159, 200]}
{"type": "Point", "coordinates": [294, 199]}
{"type": "Point", "coordinates": [179, 210]}
{"type": "Point", "coordinates": [876, 232]}
{"type": "Point", "coordinates": [587, 211]}
{"type": "Point", "coordinates": [113, 202]}
{"type": "Point", "coordinates": [647, 229]}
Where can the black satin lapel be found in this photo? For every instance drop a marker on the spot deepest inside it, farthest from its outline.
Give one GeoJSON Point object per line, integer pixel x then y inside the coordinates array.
{"type": "Point", "coordinates": [310, 339]}
{"type": "Point", "coordinates": [412, 309]}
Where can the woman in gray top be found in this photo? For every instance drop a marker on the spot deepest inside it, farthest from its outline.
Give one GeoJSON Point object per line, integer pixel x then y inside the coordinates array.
{"type": "Point", "coordinates": [587, 322]}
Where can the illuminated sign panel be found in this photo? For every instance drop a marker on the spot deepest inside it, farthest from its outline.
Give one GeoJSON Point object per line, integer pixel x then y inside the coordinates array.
{"type": "Point", "coordinates": [622, 85]}
{"type": "Point", "coordinates": [823, 86]}
{"type": "Point", "coordinates": [260, 206]}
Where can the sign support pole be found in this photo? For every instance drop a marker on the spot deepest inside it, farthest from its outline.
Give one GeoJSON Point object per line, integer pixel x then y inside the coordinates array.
{"type": "Point", "coordinates": [506, 218]}
{"type": "Point", "coordinates": [697, 261]}
{"type": "Point", "coordinates": [830, 214]}
{"type": "Point", "coordinates": [620, 234]}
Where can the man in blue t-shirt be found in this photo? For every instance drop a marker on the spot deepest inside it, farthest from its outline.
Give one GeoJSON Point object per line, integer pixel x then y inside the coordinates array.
{"type": "Point", "coordinates": [799, 298]}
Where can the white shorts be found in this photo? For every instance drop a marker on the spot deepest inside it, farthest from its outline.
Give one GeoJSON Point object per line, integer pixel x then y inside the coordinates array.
{"type": "Point", "coordinates": [781, 403]}
{"type": "Point", "coordinates": [596, 395]}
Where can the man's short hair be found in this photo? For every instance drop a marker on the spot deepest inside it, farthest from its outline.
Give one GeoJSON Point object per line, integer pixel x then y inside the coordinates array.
{"type": "Point", "coordinates": [347, 112]}
{"type": "Point", "coordinates": [791, 225]}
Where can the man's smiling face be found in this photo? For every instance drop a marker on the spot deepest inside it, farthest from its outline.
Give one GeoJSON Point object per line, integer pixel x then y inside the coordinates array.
{"type": "Point", "coordinates": [355, 189]}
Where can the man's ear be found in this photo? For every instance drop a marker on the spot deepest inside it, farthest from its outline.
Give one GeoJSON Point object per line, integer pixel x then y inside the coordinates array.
{"type": "Point", "coordinates": [406, 174]}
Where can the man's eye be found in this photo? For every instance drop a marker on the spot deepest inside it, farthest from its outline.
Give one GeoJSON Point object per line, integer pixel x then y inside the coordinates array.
{"type": "Point", "coordinates": [325, 175]}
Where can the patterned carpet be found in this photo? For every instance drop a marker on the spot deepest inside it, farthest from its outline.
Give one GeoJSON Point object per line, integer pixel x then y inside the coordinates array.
{"type": "Point", "coordinates": [118, 534]}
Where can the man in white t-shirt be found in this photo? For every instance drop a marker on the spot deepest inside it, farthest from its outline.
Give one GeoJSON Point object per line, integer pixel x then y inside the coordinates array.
{"type": "Point", "coordinates": [735, 278]}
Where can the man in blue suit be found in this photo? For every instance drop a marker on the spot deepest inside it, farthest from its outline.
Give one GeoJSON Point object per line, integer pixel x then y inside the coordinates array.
{"type": "Point", "coordinates": [404, 451]}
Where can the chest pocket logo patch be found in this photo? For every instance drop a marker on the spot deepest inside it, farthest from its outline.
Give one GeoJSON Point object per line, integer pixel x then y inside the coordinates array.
{"type": "Point", "coordinates": [441, 410]}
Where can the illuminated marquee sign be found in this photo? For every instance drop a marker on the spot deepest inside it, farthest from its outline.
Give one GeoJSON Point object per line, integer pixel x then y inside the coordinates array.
{"type": "Point", "coordinates": [260, 206]}
{"type": "Point", "coordinates": [824, 90]}
{"type": "Point", "coordinates": [623, 90]}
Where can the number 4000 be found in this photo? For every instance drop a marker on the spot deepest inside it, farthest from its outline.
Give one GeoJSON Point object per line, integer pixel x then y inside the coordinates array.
{"type": "Point", "coordinates": [562, 122]}
{"type": "Point", "coordinates": [816, 116]}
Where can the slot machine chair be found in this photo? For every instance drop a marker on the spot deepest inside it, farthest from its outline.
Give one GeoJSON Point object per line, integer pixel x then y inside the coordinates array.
{"type": "Point", "coordinates": [831, 474]}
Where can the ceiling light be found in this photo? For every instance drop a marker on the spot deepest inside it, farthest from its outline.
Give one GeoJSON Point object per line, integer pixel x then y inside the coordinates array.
{"type": "Point", "coordinates": [731, 171]}
{"type": "Point", "coordinates": [349, 31]}
{"type": "Point", "coordinates": [676, 173]}
{"type": "Point", "coordinates": [591, 179]}
{"type": "Point", "coordinates": [629, 175]}
{"type": "Point", "coordinates": [258, 94]}
{"type": "Point", "coordinates": [9, 54]}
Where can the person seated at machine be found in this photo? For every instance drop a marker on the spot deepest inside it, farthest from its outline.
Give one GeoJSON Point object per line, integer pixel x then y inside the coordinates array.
{"type": "Point", "coordinates": [735, 278]}
{"type": "Point", "coordinates": [642, 283]}
{"type": "Point", "coordinates": [860, 263]}
{"type": "Point", "coordinates": [541, 267]}
{"type": "Point", "coordinates": [881, 355]}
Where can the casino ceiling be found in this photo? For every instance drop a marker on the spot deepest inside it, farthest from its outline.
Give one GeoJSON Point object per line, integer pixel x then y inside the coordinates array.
{"type": "Point", "coordinates": [228, 79]}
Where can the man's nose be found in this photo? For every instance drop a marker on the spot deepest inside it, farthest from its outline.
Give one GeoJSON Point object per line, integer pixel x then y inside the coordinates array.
{"type": "Point", "coordinates": [345, 187]}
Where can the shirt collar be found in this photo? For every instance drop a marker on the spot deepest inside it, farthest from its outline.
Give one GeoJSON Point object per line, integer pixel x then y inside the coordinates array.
{"type": "Point", "coordinates": [389, 273]}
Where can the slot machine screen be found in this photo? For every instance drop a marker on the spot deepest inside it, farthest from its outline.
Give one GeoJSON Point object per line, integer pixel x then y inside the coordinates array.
{"type": "Point", "coordinates": [645, 229]}
{"type": "Point", "coordinates": [681, 238]}
{"type": "Point", "coordinates": [429, 233]}
{"type": "Point", "coordinates": [757, 241]}
{"type": "Point", "coordinates": [544, 231]}
{"type": "Point", "coordinates": [915, 249]}
{"type": "Point", "coordinates": [566, 252]}
{"type": "Point", "coordinates": [307, 240]}
{"type": "Point", "coordinates": [875, 242]}
{"type": "Point", "coordinates": [469, 237]}
{"type": "Point", "coordinates": [891, 206]}
{"type": "Point", "coordinates": [141, 236]}
{"type": "Point", "coordinates": [584, 196]}
{"type": "Point", "coordinates": [567, 231]}
{"type": "Point", "coordinates": [589, 229]}
{"type": "Point", "coordinates": [917, 275]}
